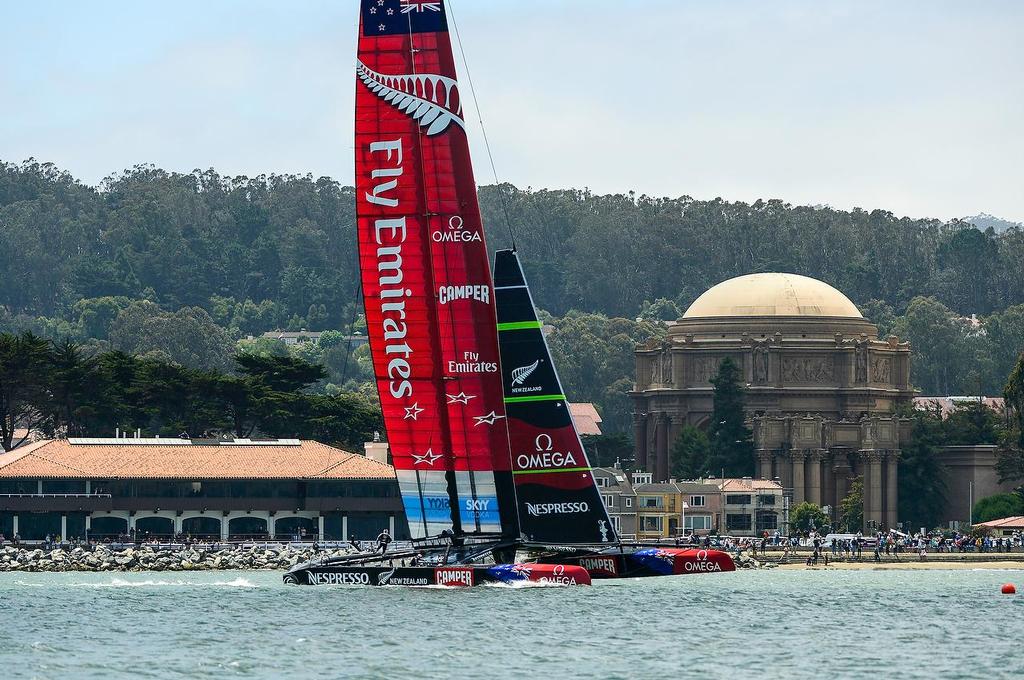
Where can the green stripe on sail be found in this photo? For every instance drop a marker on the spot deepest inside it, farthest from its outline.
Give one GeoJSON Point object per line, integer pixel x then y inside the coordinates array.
{"type": "Point", "coordinates": [541, 472]}
{"type": "Point", "coordinates": [518, 325]}
{"type": "Point", "coordinates": [535, 397]}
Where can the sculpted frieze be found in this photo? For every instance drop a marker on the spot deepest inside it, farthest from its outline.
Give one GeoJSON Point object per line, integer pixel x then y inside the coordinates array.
{"type": "Point", "coordinates": [808, 370]}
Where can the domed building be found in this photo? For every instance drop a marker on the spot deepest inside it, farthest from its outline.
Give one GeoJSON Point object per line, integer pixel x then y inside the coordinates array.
{"type": "Point", "coordinates": [822, 389]}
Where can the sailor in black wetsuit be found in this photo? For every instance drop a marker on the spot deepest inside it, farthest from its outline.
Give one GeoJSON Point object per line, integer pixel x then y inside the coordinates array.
{"type": "Point", "coordinates": [383, 539]}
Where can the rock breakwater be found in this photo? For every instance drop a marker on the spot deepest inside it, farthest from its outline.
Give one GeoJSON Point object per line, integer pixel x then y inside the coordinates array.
{"type": "Point", "coordinates": [193, 558]}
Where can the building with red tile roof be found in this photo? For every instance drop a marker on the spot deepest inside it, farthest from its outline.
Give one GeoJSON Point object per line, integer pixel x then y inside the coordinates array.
{"type": "Point", "coordinates": [215, 489]}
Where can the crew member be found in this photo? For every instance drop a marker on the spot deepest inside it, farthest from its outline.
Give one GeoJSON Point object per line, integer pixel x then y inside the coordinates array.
{"type": "Point", "coordinates": [383, 539]}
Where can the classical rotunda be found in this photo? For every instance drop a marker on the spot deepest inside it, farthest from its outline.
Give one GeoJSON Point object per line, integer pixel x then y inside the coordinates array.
{"type": "Point", "coordinates": [821, 396]}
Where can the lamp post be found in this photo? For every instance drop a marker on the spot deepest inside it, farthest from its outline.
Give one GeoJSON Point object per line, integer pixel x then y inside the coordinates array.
{"type": "Point", "coordinates": [685, 506]}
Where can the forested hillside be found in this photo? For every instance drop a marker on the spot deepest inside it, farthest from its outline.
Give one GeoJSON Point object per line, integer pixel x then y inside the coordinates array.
{"type": "Point", "coordinates": [183, 266]}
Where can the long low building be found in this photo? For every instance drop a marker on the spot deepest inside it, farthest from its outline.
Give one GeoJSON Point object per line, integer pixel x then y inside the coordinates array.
{"type": "Point", "coordinates": [156, 488]}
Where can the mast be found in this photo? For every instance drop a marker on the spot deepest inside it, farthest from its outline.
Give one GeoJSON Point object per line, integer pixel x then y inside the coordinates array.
{"type": "Point", "coordinates": [557, 497]}
{"type": "Point", "coordinates": [426, 279]}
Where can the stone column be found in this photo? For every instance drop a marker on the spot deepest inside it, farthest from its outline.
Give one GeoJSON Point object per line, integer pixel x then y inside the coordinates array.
{"type": "Point", "coordinates": [828, 482]}
{"type": "Point", "coordinates": [876, 487]}
{"type": "Point", "coordinates": [892, 500]}
{"type": "Point", "coordinates": [639, 442]}
{"type": "Point", "coordinates": [661, 456]}
{"type": "Point", "coordinates": [764, 464]}
{"type": "Point", "coordinates": [865, 473]}
{"type": "Point", "coordinates": [63, 527]}
{"type": "Point", "coordinates": [177, 524]}
{"type": "Point", "coordinates": [225, 525]}
{"type": "Point", "coordinates": [14, 524]}
{"type": "Point", "coordinates": [799, 488]}
{"type": "Point", "coordinates": [814, 477]}
{"type": "Point", "coordinates": [344, 527]}
{"type": "Point", "coordinates": [320, 527]}
{"type": "Point", "coordinates": [391, 526]}
{"type": "Point", "coordinates": [272, 525]}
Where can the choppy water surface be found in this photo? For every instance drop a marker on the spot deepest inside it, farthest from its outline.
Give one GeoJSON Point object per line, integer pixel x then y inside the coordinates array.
{"type": "Point", "coordinates": [785, 624]}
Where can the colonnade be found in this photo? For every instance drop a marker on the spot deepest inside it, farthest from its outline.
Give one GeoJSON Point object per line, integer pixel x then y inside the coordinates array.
{"type": "Point", "coordinates": [824, 477]}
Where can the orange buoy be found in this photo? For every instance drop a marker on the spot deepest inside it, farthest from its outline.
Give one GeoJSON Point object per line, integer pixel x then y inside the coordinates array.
{"type": "Point", "coordinates": [1009, 589]}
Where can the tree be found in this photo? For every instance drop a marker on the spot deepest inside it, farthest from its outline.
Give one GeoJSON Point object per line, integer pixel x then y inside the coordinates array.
{"type": "Point", "coordinates": [972, 423]}
{"type": "Point", "coordinates": [690, 454]}
{"type": "Point", "coordinates": [25, 368]}
{"type": "Point", "coordinates": [1010, 456]}
{"type": "Point", "coordinates": [188, 337]}
{"type": "Point", "coordinates": [807, 516]}
{"type": "Point", "coordinates": [661, 309]}
{"type": "Point", "coordinates": [732, 442]}
{"type": "Point", "coordinates": [944, 348]}
{"type": "Point", "coordinates": [607, 450]}
{"type": "Point", "coordinates": [851, 508]}
{"type": "Point", "coordinates": [922, 478]}
{"type": "Point", "coordinates": [997, 507]}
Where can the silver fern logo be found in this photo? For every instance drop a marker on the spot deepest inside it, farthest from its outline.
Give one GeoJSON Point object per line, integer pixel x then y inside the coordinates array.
{"type": "Point", "coordinates": [521, 374]}
{"type": "Point", "coordinates": [431, 100]}
{"type": "Point", "coordinates": [384, 578]}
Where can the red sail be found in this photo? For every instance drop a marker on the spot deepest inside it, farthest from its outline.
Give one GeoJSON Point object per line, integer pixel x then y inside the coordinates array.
{"type": "Point", "coordinates": [426, 281]}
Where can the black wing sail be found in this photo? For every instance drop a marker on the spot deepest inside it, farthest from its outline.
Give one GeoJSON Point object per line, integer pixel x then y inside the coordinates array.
{"type": "Point", "coordinates": [558, 499]}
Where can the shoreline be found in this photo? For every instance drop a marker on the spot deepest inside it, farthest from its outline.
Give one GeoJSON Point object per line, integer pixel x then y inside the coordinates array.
{"type": "Point", "coordinates": [909, 565]}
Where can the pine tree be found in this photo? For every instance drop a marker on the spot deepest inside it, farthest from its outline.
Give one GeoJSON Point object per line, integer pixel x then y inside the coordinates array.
{"type": "Point", "coordinates": [732, 443]}
{"type": "Point", "coordinates": [690, 454]}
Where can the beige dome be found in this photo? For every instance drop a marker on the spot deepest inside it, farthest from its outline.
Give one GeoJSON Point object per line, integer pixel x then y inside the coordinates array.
{"type": "Point", "coordinates": [772, 294]}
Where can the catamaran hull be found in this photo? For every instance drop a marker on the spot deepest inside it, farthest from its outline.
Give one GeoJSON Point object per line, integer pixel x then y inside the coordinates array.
{"type": "Point", "coordinates": [456, 576]}
{"type": "Point", "coordinates": [650, 562]}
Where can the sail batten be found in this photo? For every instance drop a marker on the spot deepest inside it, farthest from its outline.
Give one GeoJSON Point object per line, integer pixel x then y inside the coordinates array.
{"type": "Point", "coordinates": [426, 277]}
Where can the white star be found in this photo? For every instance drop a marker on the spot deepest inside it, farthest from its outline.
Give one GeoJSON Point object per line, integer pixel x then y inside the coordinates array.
{"type": "Point", "coordinates": [373, 10]}
{"type": "Point", "coordinates": [390, 11]}
{"type": "Point", "coordinates": [460, 398]}
{"type": "Point", "coordinates": [380, 3]}
{"type": "Point", "coordinates": [413, 412]}
{"type": "Point", "coordinates": [488, 419]}
{"type": "Point", "coordinates": [429, 458]}
{"type": "Point", "coordinates": [382, 27]}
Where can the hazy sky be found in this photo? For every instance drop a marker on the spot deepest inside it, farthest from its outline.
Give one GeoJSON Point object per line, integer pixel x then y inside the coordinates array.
{"type": "Point", "coordinates": [916, 107]}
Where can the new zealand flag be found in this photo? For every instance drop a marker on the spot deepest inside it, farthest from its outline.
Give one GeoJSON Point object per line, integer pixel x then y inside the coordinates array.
{"type": "Point", "coordinates": [393, 17]}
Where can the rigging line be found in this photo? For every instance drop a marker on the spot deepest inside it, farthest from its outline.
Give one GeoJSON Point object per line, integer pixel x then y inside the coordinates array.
{"type": "Point", "coordinates": [483, 129]}
{"type": "Point", "coordinates": [352, 319]}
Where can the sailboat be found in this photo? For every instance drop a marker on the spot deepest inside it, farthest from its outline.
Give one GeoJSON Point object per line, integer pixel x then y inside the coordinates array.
{"type": "Point", "coordinates": [429, 303]}
{"type": "Point", "coordinates": [488, 462]}
{"type": "Point", "coordinates": [562, 517]}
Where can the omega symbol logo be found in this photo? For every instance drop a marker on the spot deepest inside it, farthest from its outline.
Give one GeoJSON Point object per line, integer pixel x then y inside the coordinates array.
{"type": "Point", "coordinates": [543, 442]}
{"type": "Point", "coordinates": [455, 223]}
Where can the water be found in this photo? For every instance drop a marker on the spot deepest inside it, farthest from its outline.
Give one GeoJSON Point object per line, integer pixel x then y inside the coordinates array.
{"type": "Point", "coordinates": [766, 624]}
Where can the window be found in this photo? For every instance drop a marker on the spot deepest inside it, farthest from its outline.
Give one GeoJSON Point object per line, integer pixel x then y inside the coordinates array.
{"type": "Point", "coordinates": [737, 499]}
{"type": "Point", "coordinates": [766, 499]}
{"type": "Point", "coordinates": [609, 501]}
{"type": "Point", "coordinates": [616, 523]}
{"type": "Point", "coordinates": [698, 522]}
{"type": "Point", "coordinates": [642, 478]}
{"type": "Point", "coordinates": [601, 481]}
{"type": "Point", "coordinates": [651, 502]}
{"type": "Point", "coordinates": [650, 524]}
{"type": "Point", "coordinates": [767, 521]}
{"type": "Point", "coordinates": [629, 502]}
{"type": "Point", "coordinates": [737, 522]}
{"type": "Point", "coordinates": [697, 501]}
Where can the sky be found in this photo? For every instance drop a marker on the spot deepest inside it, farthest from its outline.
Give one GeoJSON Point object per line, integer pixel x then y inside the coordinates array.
{"type": "Point", "coordinates": [915, 107]}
